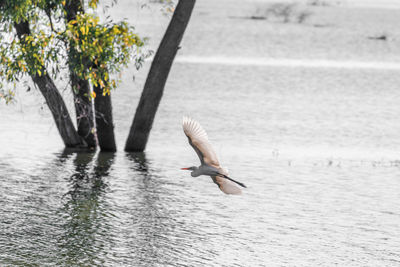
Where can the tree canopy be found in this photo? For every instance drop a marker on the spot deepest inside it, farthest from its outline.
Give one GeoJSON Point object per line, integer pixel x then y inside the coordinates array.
{"type": "Point", "coordinates": [99, 49]}
{"type": "Point", "coordinates": [49, 39]}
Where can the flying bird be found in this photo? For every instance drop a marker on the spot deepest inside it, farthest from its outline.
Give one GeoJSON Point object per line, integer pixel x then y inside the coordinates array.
{"type": "Point", "coordinates": [210, 166]}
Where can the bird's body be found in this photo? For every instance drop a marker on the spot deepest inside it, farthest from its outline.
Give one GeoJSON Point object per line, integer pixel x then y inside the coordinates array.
{"type": "Point", "coordinates": [210, 166]}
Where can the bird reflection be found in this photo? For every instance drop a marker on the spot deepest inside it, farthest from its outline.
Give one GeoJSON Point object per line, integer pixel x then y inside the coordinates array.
{"type": "Point", "coordinates": [84, 211]}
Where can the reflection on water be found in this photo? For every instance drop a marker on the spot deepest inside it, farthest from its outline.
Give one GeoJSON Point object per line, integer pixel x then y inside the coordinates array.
{"type": "Point", "coordinates": [139, 158]}
{"type": "Point", "coordinates": [84, 212]}
{"type": "Point", "coordinates": [150, 218]}
{"type": "Point", "coordinates": [123, 209]}
{"type": "Point", "coordinates": [317, 147]}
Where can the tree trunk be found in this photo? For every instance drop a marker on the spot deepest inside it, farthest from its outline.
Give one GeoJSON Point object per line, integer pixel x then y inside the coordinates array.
{"type": "Point", "coordinates": [104, 120]}
{"type": "Point", "coordinates": [83, 109]}
{"type": "Point", "coordinates": [157, 77]}
{"type": "Point", "coordinates": [59, 111]}
{"type": "Point", "coordinates": [53, 98]}
{"type": "Point", "coordinates": [80, 87]}
{"type": "Point", "coordinates": [73, 7]}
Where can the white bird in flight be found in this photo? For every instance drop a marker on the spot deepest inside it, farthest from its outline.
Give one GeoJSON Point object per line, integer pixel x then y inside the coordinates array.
{"type": "Point", "coordinates": [210, 166]}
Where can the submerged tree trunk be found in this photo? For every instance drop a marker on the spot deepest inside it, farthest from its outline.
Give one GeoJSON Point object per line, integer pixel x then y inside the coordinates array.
{"type": "Point", "coordinates": [80, 87]}
{"type": "Point", "coordinates": [157, 77]}
{"type": "Point", "coordinates": [104, 120]}
{"type": "Point", "coordinates": [53, 98]}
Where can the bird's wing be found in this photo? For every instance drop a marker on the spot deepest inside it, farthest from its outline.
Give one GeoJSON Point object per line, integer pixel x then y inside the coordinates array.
{"type": "Point", "coordinates": [226, 186]}
{"type": "Point", "coordinates": [198, 139]}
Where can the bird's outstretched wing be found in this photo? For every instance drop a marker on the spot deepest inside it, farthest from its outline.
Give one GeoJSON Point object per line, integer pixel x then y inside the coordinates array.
{"type": "Point", "coordinates": [226, 186]}
{"type": "Point", "coordinates": [198, 139]}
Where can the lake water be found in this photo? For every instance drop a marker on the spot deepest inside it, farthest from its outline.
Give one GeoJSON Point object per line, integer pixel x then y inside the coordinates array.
{"type": "Point", "coordinates": [318, 148]}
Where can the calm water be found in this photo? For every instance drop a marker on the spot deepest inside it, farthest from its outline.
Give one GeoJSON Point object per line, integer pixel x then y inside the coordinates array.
{"type": "Point", "coordinates": [318, 149]}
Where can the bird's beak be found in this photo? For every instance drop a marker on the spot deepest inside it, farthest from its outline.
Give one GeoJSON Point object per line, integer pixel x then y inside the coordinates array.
{"type": "Point", "coordinates": [184, 168]}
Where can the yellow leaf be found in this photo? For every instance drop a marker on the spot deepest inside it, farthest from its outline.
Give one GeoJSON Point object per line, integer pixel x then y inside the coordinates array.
{"type": "Point", "coordinates": [40, 73]}
{"type": "Point", "coordinates": [93, 4]}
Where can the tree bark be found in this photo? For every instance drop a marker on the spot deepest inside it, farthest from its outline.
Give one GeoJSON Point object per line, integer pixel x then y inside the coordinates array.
{"type": "Point", "coordinates": [104, 120]}
{"type": "Point", "coordinates": [83, 109]}
{"type": "Point", "coordinates": [53, 98]}
{"type": "Point", "coordinates": [80, 87]}
{"type": "Point", "coordinates": [157, 77]}
{"type": "Point", "coordinates": [73, 7]}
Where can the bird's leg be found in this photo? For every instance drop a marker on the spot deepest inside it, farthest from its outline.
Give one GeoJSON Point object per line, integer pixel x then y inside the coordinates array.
{"type": "Point", "coordinates": [239, 183]}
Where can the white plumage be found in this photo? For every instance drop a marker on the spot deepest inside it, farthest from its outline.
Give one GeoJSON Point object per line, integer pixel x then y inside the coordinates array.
{"type": "Point", "coordinates": [198, 139]}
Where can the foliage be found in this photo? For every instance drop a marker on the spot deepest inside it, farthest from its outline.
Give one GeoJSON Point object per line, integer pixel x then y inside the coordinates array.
{"type": "Point", "coordinates": [100, 49]}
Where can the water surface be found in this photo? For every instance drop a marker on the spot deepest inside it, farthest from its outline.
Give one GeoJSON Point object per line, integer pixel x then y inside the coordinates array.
{"type": "Point", "coordinates": [317, 147]}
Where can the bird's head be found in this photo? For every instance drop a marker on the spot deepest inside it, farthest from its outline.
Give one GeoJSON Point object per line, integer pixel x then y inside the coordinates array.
{"type": "Point", "coordinates": [193, 168]}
